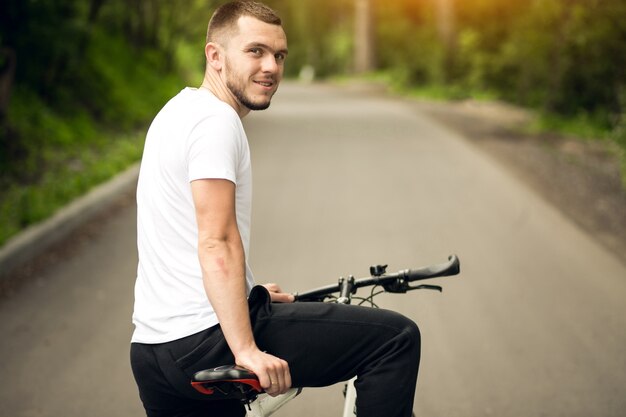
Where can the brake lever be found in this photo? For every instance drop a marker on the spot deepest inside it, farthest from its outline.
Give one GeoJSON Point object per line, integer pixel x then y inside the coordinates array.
{"type": "Point", "coordinates": [401, 287]}
{"type": "Point", "coordinates": [425, 287]}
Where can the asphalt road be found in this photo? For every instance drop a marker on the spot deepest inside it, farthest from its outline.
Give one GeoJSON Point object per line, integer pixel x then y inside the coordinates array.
{"type": "Point", "coordinates": [535, 325]}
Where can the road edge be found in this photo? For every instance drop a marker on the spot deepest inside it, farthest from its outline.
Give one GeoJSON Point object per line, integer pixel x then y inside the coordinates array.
{"type": "Point", "coordinates": [34, 240]}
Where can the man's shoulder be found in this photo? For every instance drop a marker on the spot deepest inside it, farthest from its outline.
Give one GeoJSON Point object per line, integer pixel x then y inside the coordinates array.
{"type": "Point", "coordinates": [197, 112]}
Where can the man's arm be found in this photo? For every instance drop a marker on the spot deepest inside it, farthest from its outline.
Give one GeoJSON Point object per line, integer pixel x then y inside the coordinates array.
{"type": "Point", "coordinates": [222, 259]}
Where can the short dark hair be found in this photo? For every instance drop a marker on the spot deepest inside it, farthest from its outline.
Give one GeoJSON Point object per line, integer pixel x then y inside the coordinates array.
{"type": "Point", "coordinates": [226, 16]}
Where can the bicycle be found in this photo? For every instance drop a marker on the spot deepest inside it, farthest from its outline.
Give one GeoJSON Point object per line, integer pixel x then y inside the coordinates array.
{"type": "Point", "coordinates": [233, 382]}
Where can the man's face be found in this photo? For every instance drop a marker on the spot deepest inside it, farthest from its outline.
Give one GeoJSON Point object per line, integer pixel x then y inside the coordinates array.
{"type": "Point", "coordinates": [254, 62]}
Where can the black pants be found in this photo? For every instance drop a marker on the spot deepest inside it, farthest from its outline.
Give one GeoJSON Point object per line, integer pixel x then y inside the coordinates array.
{"type": "Point", "coordinates": [323, 343]}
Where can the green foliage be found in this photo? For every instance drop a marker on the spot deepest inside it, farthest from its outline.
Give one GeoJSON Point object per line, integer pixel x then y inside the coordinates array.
{"type": "Point", "coordinates": [319, 34]}
{"type": "Point", "coordinates": [407, 47]}
{"type": "Point", "coordinates": [82, 88]}
{"type": "Point", "coordinates": [564, 58]}
{"type": "Point", "coordinates": [121, 85]}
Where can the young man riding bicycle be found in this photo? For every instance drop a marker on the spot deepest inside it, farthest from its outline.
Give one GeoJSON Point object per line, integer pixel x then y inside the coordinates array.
{"type": "Point", "coordinates": [196, 303]}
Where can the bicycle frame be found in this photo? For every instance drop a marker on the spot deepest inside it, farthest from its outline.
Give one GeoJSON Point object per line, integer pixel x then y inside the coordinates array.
{"type": "Point", "coordinates": [260, 404]}
{"type": "Point", "coordinates": [349, 404]}
{"type": "Point", "coordinates": [265, 406]}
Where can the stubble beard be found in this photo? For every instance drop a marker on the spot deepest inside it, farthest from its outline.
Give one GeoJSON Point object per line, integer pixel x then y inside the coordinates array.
{"type": "Point", "coordinates": [238, 90]}
{"type": "Point", "coordinates": [244, 100]}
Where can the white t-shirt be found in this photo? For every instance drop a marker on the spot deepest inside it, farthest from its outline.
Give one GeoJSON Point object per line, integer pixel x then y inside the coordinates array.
{"type": "Point", "coordinates": [195, 136]}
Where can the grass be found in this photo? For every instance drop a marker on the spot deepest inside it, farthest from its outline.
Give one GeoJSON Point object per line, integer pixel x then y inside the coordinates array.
{"type": "Point", "coordinates": [586, 128]}
{"type": "Point", "coordinates": [70, 176]}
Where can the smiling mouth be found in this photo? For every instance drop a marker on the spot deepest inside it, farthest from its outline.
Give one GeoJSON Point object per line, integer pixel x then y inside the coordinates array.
{"type": "Point", "coordinates": [266, 84]}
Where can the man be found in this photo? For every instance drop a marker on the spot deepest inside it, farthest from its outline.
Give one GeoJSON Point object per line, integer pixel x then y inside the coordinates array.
{"type": "Point", "coordinates": [195, 305]}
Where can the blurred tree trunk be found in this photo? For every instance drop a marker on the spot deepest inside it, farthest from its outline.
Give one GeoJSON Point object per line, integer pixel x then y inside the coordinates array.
{"type": "Point", "coordinates": [559, 58]}
{"type": "Point", "coordinates": [7, 75]}
{"type": "Point", "coordinates": [445, 22]}
{"type": "Point", "coordinates": [446, 30]}
{"type": "Point", "coordinates": [95, 6]}
{"type": "Point", "coordinates": [10, 14]}
{"type": "Point", "coordinates": [364, 59]}
{"type": "Point", "coordinates": [94, 10]}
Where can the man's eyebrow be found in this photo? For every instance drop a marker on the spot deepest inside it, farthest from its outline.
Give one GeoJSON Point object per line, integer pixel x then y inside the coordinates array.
{"type": "Point", "coordinates": [267, 47]}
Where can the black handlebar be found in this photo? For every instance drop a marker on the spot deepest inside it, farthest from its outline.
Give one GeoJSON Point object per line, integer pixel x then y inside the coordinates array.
{"type": "Point", "coordinates": [397, 282]}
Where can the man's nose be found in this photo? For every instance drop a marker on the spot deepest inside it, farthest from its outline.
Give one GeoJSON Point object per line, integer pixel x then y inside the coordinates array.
{"type": "Point", "coordinates": [270, 64]}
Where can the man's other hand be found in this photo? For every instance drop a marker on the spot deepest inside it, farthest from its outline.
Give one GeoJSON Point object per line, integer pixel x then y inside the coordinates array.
{"type": "Point", "coordinates": [277, 295]}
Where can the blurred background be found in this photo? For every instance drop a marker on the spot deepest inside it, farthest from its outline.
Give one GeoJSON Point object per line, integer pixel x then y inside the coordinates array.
{"type": "Point", "coordinates": [80, 79]}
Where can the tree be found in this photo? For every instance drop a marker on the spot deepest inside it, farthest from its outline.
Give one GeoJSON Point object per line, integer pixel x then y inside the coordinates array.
{"type": "Point", "coordinates": [364, 59]}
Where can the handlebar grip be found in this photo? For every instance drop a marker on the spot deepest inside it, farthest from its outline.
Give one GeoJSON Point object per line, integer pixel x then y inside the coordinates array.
{"type": "Point", "coordinates": [452, 267]}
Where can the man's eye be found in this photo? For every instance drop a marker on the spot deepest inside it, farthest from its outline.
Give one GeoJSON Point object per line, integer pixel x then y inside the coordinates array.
{"type": "Point", "coordinates": [280, 57]}
{"type": "Point", "coordinates": [256, 51]}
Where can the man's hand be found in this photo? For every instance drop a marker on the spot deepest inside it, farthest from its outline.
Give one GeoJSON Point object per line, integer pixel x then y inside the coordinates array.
{"type": "Point", "coordinates": [277, 295]}
{"type": "Point", "coordinates": [273, 372]}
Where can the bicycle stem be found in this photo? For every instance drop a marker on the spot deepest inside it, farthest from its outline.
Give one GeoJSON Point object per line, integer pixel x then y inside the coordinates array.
{"type": "Point", "coordinates": [346, 289]}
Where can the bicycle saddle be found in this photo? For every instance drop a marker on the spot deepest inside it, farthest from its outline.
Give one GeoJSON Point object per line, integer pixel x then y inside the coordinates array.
{"type": "Point", "coordinates": [229, 381]}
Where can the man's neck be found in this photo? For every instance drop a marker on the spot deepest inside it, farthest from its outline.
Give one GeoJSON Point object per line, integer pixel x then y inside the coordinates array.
{"type": "Point", "coordinates": [215, 85]}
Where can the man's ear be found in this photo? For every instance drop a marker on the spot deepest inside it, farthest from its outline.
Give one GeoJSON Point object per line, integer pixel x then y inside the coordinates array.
{"type": "Point", "coordinates": [213, 53]}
